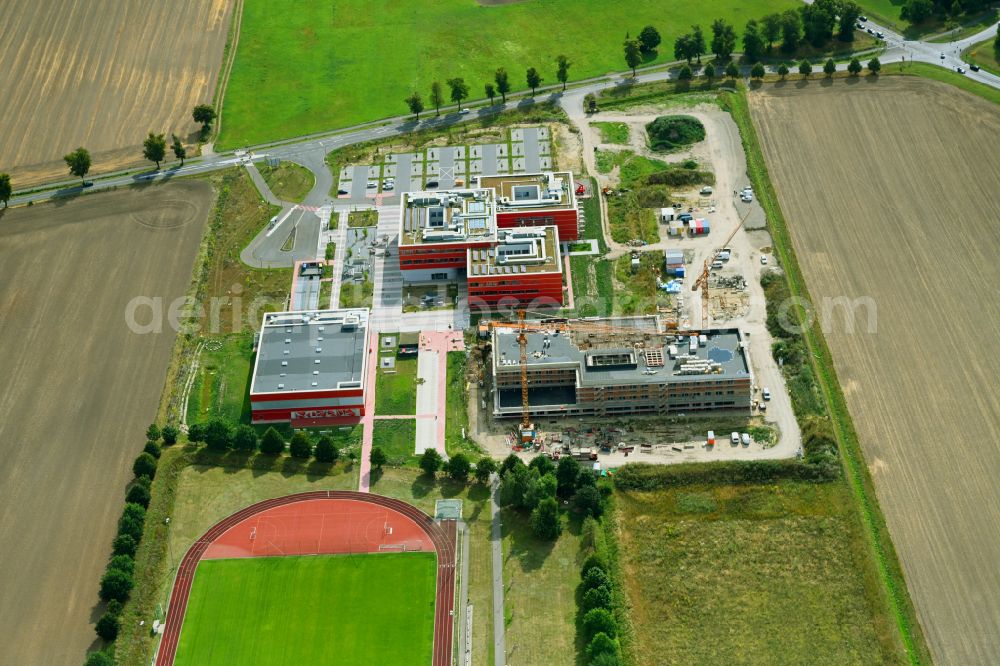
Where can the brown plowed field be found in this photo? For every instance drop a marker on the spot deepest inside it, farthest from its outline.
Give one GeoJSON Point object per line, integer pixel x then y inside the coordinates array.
{"type": "Point", "coordinates": [77, 394]}
{"type": "Point", "coordinates": [890, 192]}
{"type": "Point", "coordinates": [101, 74]}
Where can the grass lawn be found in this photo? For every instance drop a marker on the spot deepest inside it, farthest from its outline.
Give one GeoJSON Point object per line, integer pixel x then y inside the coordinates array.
{"type": "Point", "coordinates": [304, 67]}
{"type": "Point", "coordinates": [779, 573]}
{"type": "Point", "coordinates": [456, 412]}
{"type": "Point", "coordinates": [397, 437]}
{"type": "Point", "coordinates": [357, 609]}
{"type": "Point", "coordinates": [362, 218]}
{"type": "Point", "coordinates": [239, 215]}
{"type": "Point", "coordinates": [983, 55]}
{"type": "Point", "coordinates": [288, 181]}
{"type": "Point", "coordinates": [612, 132]}
{"type": "Point", "coordinates": [396, 388]}
{"type": "Point", "coordinates": [223, 380]}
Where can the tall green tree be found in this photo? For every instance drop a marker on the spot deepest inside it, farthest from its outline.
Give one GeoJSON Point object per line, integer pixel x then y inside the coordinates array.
{"type": "Point", "coordinates": [378, 457]}
{"type": "Point", "coordinates": [771, 29]}
{"type": "Point", "coordinates": [782, 71]}
{"type": "Point", "coordinates": [107, 627]}
{"type": "Point", "coordinates": [116, 585]}
{"type": "Point", "coordinates": [829, 67]}
{"type": "Point", "coordinates": [6, 189]}
{"type": "Point", "coordinates": [805, 68]}
{"type": "Point", "coordinates": [753, 42]}
{"type": "Point", "coordinates": [545, 522]}
{"type": "Point", "coordinates": [245, 439]}
{"type": "Point", "coordinates": [272, 443]}
{"type": "Point", "coordinates": [791, 31]}
{"type": "Point", "coordinates": [154, 148]}
{"type": "Point", "coordinates": [325, 451]}
{"type": "Point", "coordinates": [437, 97]}
{"type": "Point", "coordinates": [602, 644]}
{"type": "Point", "coordinates": [698, 42]}
{"type": "Point", "coordinates": [566, 474]}
{"type": "Point", "coordinates": [854, 67]}
{"type": "Point", "coordinates": [633, 54]}
{"type": "Point", "coordinates": [597, 620]}
{"type": "Point", "coordinates": [218, 435]}
{"type": "Point", "coordinates": [502, 80]}
{"type": "Point", "coordinates": [490, 91]}
{"type": "Point", "coordinates": [683, 49]}
{"type": "Point", "coordinates": [430, 461]}
{"type": "Point", "coordinates": [533, 79]}
{"type": "Point", "coordinates": [818, 20]}
{"type": "Point", "coordinates": [757, 71]}
{"type": "Point", "coordinates": [300, 446]}
{"type": "Point", "coordinates": [458, 467]}
{"type": "Point", "coordinates": [874, 66]}
{"type": "Point", "coordinates": [415, 103]}
{"type": "Point", "coordinates": [484, 468]}
{"type": "Point", "coordinates": [144, 465]}
{"type": "Point", "coordinates": [649, 39]}
{"type": "Point", "coordinates": [459, 90]}
{"type": "Point", "coordinates": [78, 162]}
{"type": "Point", "coordinates": [562, 70]}
{"type": "Point", "coordinates": [723, 39]}
{"type": "Point", "coordinates": [180, 152]}
{"type": "Point", "coordinates": [847, 16]}
{"type": "Point", "coordinates": [205, 115]}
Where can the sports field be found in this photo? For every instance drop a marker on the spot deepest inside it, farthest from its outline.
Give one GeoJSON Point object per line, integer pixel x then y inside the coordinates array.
{"type": "Point", "coordinates": [898, 217]}
{"type": "Point", "coordinates": [320, 609]}
{"type": "Point", "coordinates": [305, 66]}
{"type": "Point", "coordinates": [101, 74]}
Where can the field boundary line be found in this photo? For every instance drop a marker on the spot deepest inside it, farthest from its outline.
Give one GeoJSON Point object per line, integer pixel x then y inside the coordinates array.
{"type": "Point", "coordinates": [862, 488]}
{"type": "Point", "coordinates": [235, 24]}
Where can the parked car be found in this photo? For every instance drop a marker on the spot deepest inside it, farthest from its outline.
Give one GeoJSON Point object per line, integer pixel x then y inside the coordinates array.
{"type": "Point", "coordinates": [431, 184]}
{"type": "Point", "coordinates": [706, 190]}
{"type": "Point", "coordinates": [864, 18]}
{"type": "Point", "coordinates": [860, 26]}
{"type": "Point", "coordinates": [763, 260]}
{"type": "Point", "coordinates": [341, 192]}
{"type": "Point", "coordinates": [746, 197]}
{"type": "Point", "coordinates": [766, 393]}
{"type": "Point", "coordinates": [735, 438]}
{"type": "Point", "coordinates": [371, 185]}
{"type": "Point", "coordinates": [879, 35]}
{"type": "Point", "coordinates": [870, 31]}
{"type": "Point", "coordinates": [745, 437]}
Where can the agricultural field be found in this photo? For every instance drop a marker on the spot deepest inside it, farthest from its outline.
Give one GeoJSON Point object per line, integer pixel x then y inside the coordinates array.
{"type": "Point", "coordinates": [302, 68]}
{"type": "Point", "coordinates": [82, 388]}
{"type": "Point", "coordinates": [917, 369]}
{"type": "Point", "coordinates": [357, 609]}
{"type": "Point", "coordinates": [101, 75]}
{"type": "Point", "coordinates": [774, 573]}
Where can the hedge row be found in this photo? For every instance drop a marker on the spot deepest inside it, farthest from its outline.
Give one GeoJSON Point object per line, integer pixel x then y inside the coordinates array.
{"type": "Point", "coordinates": [644, 476]}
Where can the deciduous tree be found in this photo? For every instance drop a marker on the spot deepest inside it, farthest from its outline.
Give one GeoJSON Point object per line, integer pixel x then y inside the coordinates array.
{"type": "Point", "coordinates": [598, 620]}
{"type": "Point", "coordinates": [205, 115]}
{"type": "Point", "coordinates": [484, 468]}
{"type": "Point", "coordinates": [757, 71]}
{"type": "Point", "coordinates": [180, 152]}
{"type": "Point", "coordinates": [566, 473]}
{"type": "Point", "coordinates": [601, 644]}
{"type": "Point", "coordinates": [753, 41]}
{"type": "Point", "coordinates": [709, 71]}
{"type": "Point", "coordinates": [562, 70]}
{"type": "Point", "coordinates": [245, 439]}
{"type": "Point", "coordinates": [437, 97]}
{"type": "Point", "coordinates": [545, 522]}
{"type": "Point", "coordinates": [829, 67]}
{"type": "Point", "coordinates": [115, 584]}
{"type": "Point", "coordinates": [430, 461]}
{"type": "Point", "coordinates": [6, 190]}
{"type": "Point", "coordinates": [458, 467]}
{"type": "Point", "coordinates": [123, 544]}
{"type": "Point", "coordinates": [218, 435]}
{"type": "Point", "coordinates": [791, 30]}
{"type": "Point", "coordinates": [685, 74]}
{"type": "Point", "coordinates": [847, 15]}
{"type": "Point", "coordinates": [415, 103]}
{"type": "Point", "coordinates": [598, 597]}
{"type": "Point", "coordinates": [78, 162]}
{"type": "Point", "coordinates": [138, 494]}
{"type": "Point", "coordinates": [805, 68]}
{"type": "Point", "coordinates": [533, 79]}
{"type": "Point", "coordinates": [683, 49]}
{"type": "Point", "coordinates": [649, 39]}
{"type": "Point", "coordinates": [325, 451]}
{"type": "Point", "coordinates": [154, 148]}
{"type": "Point", "coordinates": [378, 457]}
{"type": "Point", "coordinates": [459, 90]}
{"type": "Point", "coordinates": [771, 29]}
{"type": "Point", "coordinates": [633, 54]}
{"type": "Point", "coordinates": [732, 71]}
{"type": "Point", "coordinates": [153, 432]}
{"type": "Point", "coordinates": [854, 67]}
{"type": "Point", "coordinates": [144, 465]}
{"type": "Point", "coordinates": [588, 501]}
{"type": "Point", "coordinates": [874, 66]}
{"type": "Point", "coordinates": [916, 11]}
{"type": "Point", "coordinates": [490, 91]}
{"type": "Point", "coordinates": [169, 434]}
{"type": "Point", "coordinates": [782, 71]}
{"type": "Point", "coordinates": [698, 42]}
{"type": "Point", "coordinates": [107, 627]}
{"type": "Point", "coordinates": [503, 83]}
{"type": "Point", "coordinates": [723, 39]}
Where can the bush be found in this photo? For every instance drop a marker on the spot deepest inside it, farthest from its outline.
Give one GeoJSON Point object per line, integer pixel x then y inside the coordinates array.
{"type": "Point", "coordinates": [300, 446]}
{"type": "Point", "coordinates": [138, 494]}
{"type": "Point", "coordinates": [430, 461]}
{"type": "Point", "coordinates": [545, 523]}
{"type": "Point", "coordinates": [602, 644]}
{"type": "Point", "coordinates": [196, 433]}
{"type": "Point", "coordinates": [595, 577]}
{"type": "Point", "coordinates": [594, 561]}
{"type": "Point", "coordinates": [115, 584]}
{"type": "Point", "coordinates": [245, 439]}
{"type": "Point", "coordinates": [124, 544]}
{"type": "Point", "coordinates": [153, 433]}
{"type": "Point", "coordinates": [670, 133]}
{"type": "Point", "coordinates": [599, 597]}
{"type": "Point", "coordinates": [132, 520]}
{"type": "Point", "coordinates": [115, 607]}
{"type": "Point", "coordinates": [606, 659]}
{"type": "Point", "coordinates": [681, 176]}
{"type": "Point", "coordinates": [484, 468]}
{"type": "Point", "coordinates": [599, 620]}
{"type": "Point", "coordinates": [588, 500]}
{"type": "Point", "coordinates": [543, 464]}
{"type": "Point", "coordinates": [153, 449]}
{"type": "Point", "coordinates": [99, 659]}
{"type": "Point", "coordinates": [107, 627]}
{"type": "Point", "coordinates": [169, 434]}
{"type": "Point", "coordinates": [144, 465]}
{"type": "Point", "coordinates": [642, 476]}
{"type": "Point", "coordinates": [272, 443]}
{"type": "Point", "coordinates": [509, 463]}
{"type": "Point", "coordinates": [122, 563]}
{"type": "Point", "coordinates": [325, 451]}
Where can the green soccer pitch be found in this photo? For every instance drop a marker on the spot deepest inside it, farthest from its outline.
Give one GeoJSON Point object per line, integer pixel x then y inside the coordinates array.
{"type": "Point", "coordinates": [320, 609]}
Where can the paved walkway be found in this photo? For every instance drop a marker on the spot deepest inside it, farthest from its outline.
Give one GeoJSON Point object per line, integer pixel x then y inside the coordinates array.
{"type": "Point", "coordinates": [432, 367]}
{"type": "Point", "coordinates": [496, 542]}
{"type": "Point", "coordinates": [368, 420]}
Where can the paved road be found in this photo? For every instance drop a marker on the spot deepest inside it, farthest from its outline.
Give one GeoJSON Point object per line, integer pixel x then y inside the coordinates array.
{"type": "Point", "coordinates": [496, 534]}
{"type": "Point", "coordinates": [311, 152]}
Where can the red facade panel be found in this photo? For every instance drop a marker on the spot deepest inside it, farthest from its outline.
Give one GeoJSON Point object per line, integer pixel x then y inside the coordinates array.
{"type": "Point", "coordinates": [565, 220]}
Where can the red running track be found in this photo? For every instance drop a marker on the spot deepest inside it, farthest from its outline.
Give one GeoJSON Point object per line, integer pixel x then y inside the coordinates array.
{"type": "Point", "coordinates": [324, 522]}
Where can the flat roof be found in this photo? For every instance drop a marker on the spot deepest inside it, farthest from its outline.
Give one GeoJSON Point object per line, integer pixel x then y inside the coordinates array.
{"type": "Point", "coordinates": [545, 191]}
{"type": "Point", "coordinates": [722, 355]}
{"type": "Point", "coordinates": [518, 251]}
{"type": "Point", "coordinates": [311, 351]}
{"type": "Point", "coordinates": [448, 216]}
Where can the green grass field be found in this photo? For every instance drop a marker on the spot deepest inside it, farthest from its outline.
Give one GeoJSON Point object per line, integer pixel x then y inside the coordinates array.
{"type": "Point", "coordinates": [612, 132]}
{"type": "Point", "coordinates": [310, 66]}
{"type": "Point", "coordinates": [396, 388]}
{"type": "Point", "coordinates": [288, 181]}
{"type": "Point", "coordinates": [221, 386]}
{"type": "Point", "coordinates": [397, 437]}
{"type": "Point", "coordinates": [331, 609]}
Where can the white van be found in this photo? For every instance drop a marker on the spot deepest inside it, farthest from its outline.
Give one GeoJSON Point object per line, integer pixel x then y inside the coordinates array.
{"type": "Point", "coordinates": [766, 393]}
{"type": "Point", "coordinates": [735, 438]}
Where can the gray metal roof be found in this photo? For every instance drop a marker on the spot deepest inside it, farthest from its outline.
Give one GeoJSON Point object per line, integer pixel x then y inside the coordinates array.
{"type": "Point", "coordinates": [722, 346]}
{"type": "Point", "coordinates": [310, 351]}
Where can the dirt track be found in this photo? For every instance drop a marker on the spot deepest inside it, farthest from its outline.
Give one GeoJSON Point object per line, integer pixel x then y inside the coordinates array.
{"type": "Point", "coordinates": [889, 188]}
{"type": "Point", "coordinates": [101, 74]}
{"type": "Point", "coordinates": [79, 391]}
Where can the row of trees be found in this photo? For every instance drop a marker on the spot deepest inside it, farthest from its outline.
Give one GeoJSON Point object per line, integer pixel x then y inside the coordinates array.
{"type": "Point", "coordinates": [596, 613]}
{"type": "Point", "coordinates": [458, 466]}
{"type": "Point", "coordinates": [500, 85]}
{"type": "Point", "coordinates": [220, 436]}
{"type": "Point", "coordinates": [918, 11]}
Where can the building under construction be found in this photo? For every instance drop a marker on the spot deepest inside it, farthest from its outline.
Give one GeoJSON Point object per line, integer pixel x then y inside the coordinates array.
{"type": "Point", "coordinates": [621, 366]}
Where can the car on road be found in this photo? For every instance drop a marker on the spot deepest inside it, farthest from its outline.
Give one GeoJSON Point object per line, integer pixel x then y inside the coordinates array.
{"type": "Point", "coordinates": [388, 183]}
{"type": "Point", "coordinates": [746, 197]}
{"type": "Point", "coordinates": [870, 31]}
{"type": "Point", "coordinates": [88, 183]}
{"type": "Point", "coordinates": [706, 190]}
{"type": "Point", "coordinates": [974, 67]}
{"type": "Point", "coordinates": [960, 70]}
{"type": "Point", "coordinates": [942, 55]}
{"type": "Point", "coordinates": [860, 26]}
{"type": "Point", "coordinates": [763, 260]}
{"type": "Point", "coordinates": [766, 393]}
{"type": "Point", "coordinates": [864, 18]}
{"type": "Point", "coordinates": [879, 34]}
{"type": "Point", "coordinates": [465, 111]}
